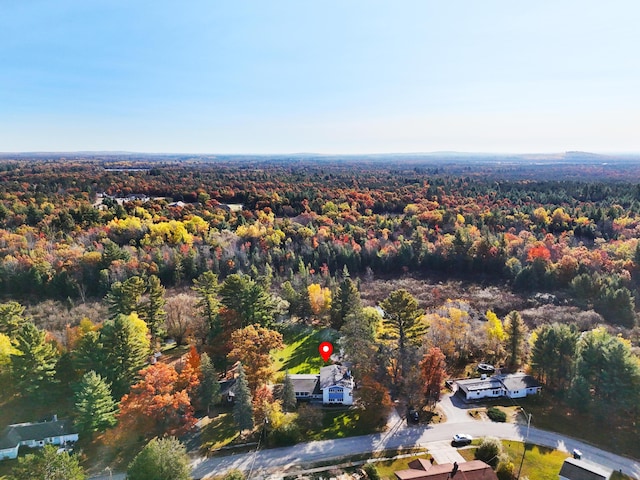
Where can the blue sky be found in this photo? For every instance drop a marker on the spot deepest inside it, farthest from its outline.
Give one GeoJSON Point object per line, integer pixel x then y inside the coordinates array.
{"type": "Point", "coordinates": [349, 76]}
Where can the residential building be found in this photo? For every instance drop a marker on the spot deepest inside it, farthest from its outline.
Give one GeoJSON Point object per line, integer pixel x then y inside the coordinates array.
{"type": "Point", "coordinates": [513, 385]}
{"type": "Point", "coordinates": [34, 435]}
{"type": "Point", "coordinates": [424, 470]}
{"type": "Point", "coordinates": [334, 385]}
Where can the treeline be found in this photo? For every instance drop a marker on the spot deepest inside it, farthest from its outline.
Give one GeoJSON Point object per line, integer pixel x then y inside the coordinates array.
{"type": "Point", "coordinates": [58, 239]}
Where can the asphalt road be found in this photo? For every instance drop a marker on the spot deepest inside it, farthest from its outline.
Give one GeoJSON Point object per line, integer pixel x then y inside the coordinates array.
{"type": "Point", "coordinates": [279, 459]}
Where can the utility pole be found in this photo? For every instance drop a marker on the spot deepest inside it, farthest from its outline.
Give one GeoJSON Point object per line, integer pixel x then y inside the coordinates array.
{"type": "Point", "coordinates": [524, 449]}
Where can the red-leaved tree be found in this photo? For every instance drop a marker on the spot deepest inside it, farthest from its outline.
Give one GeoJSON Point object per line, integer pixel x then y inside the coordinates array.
{"type": "Point", "coordinates": [433, 372]}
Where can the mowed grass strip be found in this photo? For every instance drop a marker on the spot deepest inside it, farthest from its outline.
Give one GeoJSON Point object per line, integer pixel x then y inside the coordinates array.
{"type": "Point", "coordinates": [539, 462]}
{"type": "Point", "coordinates": [300, 354]}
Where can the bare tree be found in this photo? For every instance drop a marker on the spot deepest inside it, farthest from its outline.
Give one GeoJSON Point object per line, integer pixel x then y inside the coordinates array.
{"type": "Point", "coordinates": [181, 313]}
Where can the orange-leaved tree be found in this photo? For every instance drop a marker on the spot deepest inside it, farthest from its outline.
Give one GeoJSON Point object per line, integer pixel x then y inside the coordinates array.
{"type": "Point", "coordinates": [157, 403]}
{"type": "Point", "coordinates": [251, 346]}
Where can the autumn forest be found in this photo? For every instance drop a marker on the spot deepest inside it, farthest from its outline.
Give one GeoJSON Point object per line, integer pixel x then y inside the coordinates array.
{"type": "Point", "coordinates": [525, 263]}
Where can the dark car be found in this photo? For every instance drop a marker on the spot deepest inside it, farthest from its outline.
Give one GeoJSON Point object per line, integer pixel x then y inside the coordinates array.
{"type": "Point", "coordinates": [413, 416]}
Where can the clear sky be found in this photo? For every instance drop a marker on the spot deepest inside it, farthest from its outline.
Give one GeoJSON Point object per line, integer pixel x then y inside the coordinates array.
{"type": "Point", "coordinates": [326, 76]}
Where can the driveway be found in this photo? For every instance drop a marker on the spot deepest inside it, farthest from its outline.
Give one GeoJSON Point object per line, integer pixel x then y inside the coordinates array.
{"type": "Point", "coordinates": [455, 409]}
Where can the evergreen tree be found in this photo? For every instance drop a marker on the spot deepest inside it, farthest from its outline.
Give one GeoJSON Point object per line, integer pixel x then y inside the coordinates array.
{"type": "Point", "coordinates": [151, 310]}
{"type": "Point", "coordinates": [95, 408]}
{"type": "Point", "coordinates": [248, 299]}
{"type": "Point", "coordinates": [161, 459]}
{"type": "Point", "coordinates": [206, 287]}
{"type": "Point", "coordinates": [358, 338]}
{"type": "Point", "coordinates": [123, 297]}
{"type": "Point", "coordinates": [402, 322]}
{"type": "Point", "coordinates": [11, 318]}
{"type": "Point", "coordinates": [34, 361]}
{"type": "Point", "coordinates": [289, 401]}
{"type": "Point", "coordinates": [345, 302]}
{"type": "Point", "coordinates": [126, 349]}
{"type": "Point", "coordinates": [48, 464]}
{"type": "Point", "coordinates": [553, 355]}
{"type": "Point", "coordinates": [243, 405]}
{"type": "Point", "coordinates": [516, 332]}
{"type": "Point", "coordinates": [209, 386]}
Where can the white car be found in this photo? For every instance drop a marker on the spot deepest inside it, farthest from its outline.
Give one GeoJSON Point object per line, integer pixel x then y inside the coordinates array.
{"type": "Point", "coordinates": [462, 439]}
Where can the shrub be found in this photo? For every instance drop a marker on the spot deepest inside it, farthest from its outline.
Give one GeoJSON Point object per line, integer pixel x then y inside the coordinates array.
{"type": "Point", "coordinates": [496, 414]}
{"type": "Point", "coordinates": [234, 475]}
{"type": "Point", "coordinates": [506, 470]}
{"type": "Point", "coordinates": [489, 451]}
{"type": "Point", "coordinates": [371, 471]}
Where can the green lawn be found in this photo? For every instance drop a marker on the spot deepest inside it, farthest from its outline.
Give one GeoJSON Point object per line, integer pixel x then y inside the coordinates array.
{"type": "Point", "coordinates": [300, 354]}
{"type": "Point", "coordinates": [219, 432]}
{"type": "Point", "coordinates": [614, 435]}
{"type": "Point", "coordinates": [339, 424]}
{"type": "Point", "coordinates": [540, 463]}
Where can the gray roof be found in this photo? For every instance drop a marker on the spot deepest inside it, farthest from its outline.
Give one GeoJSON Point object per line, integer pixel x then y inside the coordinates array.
{"type": "Point", "coordinates": [474, 384]}
{"type": "Point", "coordinates": [519, 381]}
{"type": "Point", "coordinates": [574, 469]}
{"type": "Point", "coordinates": [335, 375]}
{"type": "Point", "coordinates": [14, 434]}
{"type": "Point", "coordinates": [513, 381]}
{"type": "Point", "coordinates": [304, 383]}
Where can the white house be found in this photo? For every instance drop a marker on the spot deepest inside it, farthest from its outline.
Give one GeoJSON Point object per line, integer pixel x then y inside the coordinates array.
{"type": "Point", "coordinates": [514, 385]}
{"type": "Point", "coordinates": [55, 432]}
{"type": "Point", "coordinates": [334, 385]}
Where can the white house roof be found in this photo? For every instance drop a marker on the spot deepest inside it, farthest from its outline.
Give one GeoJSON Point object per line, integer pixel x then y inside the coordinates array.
{"type": "Point", "coordinates": [335, 375]}
{"type": "Point", "coordinates": [512, 382]}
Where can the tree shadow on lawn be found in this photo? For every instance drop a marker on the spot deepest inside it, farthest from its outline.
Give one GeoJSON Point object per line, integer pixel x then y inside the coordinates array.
{"type": "Point", "coordinates": [305, 357]}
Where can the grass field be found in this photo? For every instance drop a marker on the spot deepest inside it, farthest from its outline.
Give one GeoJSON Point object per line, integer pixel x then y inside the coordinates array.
{"type": "Point", "coordinates": [539, 462]}
{"type": "Point", "coordinates": [300, 354]}
{"type": "Point", "coordinates": [551, 414]}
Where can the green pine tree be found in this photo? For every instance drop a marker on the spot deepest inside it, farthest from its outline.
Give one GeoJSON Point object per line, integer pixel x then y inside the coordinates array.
{"type": "Point", "coordinates": [345, 302]}
{"type": "Point", "coordinates": [209, 386]}
{"type": "Point", "coordinates": [516, 332]}
{"type": "Point", "coordinates": [206, 287]}
{"type": "Point", "coordinates": [124, 297]}
{"type": "Point", "coordinates": [243, 407]}
{"type": "Point", "coordinates": [289, 401]}
{"type": "Point", "coordinates": [126, 349]}
{"type": "Point", "coordinates": [402, 322]}
{"type": "Point", "coordinates": [151, 310]}
{"type": "Point", "coordinates": [11, 318]}
{"type": "Point", "coordinates": [95, 408]}
{"type": "Point", "coordinates": [34, 362]}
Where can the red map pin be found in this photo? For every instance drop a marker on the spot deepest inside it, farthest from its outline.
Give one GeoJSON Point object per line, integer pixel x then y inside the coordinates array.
{"type": "Point", "coordinates": [325, 349]}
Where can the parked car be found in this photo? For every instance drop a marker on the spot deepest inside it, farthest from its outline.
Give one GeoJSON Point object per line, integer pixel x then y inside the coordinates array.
{"type": "Point", "coordinates": [461, 439]}
{"type": "Point", "coordinates": [413, 416]}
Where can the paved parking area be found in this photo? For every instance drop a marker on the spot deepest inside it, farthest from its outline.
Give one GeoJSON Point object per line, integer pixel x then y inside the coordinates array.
{"type": "Point", "coordinates": [443, 452]}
